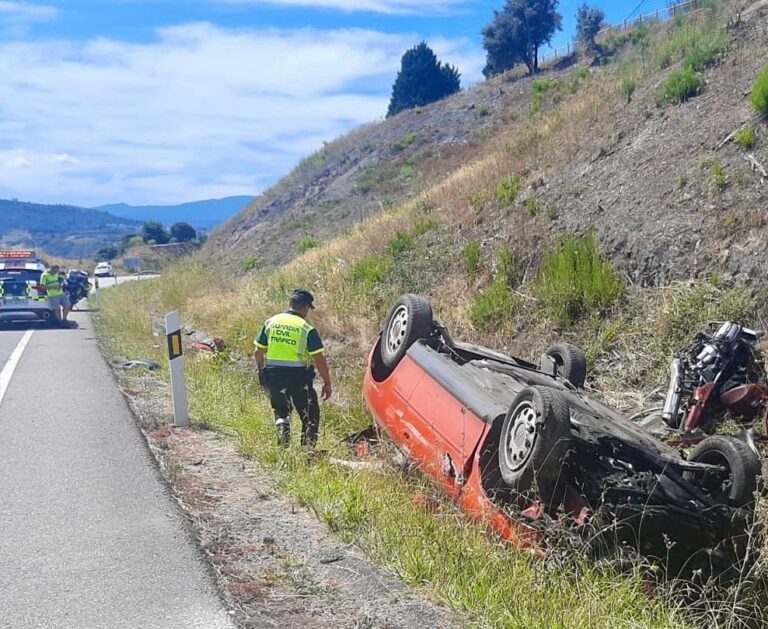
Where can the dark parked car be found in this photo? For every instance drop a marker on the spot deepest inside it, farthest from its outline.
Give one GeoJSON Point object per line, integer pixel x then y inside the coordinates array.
{"type": "Point", "coordinates": [512, 441]}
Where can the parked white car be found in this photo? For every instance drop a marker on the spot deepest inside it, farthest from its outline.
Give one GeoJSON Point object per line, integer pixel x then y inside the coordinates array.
{"type": "Point", "coordinates": [103, 269]}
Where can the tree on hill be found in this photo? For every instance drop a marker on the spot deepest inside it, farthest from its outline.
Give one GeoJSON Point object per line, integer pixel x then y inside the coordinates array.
{"type": "Point", "coordinates": [183, 232]}
{"type": "Point", "coordinates": [153, 232]}
{"type": "Point", "coordinates": [589, 22]}
{"type": "Point", "coordinates": [422, 80]}
{"type": "Point", "coordinates": [517, 32]}
{"type": "Point", "coordinates": [108, 253]}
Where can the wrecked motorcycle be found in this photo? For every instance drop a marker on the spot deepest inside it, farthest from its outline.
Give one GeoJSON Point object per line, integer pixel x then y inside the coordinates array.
{"type": "Point", "coordinates": [721, 373]}
{"type": "Point", "coordinates": [77, 286]}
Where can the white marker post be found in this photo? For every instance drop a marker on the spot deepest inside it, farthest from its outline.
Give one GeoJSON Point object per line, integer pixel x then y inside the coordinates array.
{"type": "Point", "coordinates": [176, 357]}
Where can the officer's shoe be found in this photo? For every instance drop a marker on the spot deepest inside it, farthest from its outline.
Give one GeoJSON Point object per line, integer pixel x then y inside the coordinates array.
{"type": "Point", "coordinates": [283, 431]}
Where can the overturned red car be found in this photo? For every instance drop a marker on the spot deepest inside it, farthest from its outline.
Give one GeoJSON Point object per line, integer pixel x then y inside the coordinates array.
{"type": "Point", "coordinates": [512, 441]}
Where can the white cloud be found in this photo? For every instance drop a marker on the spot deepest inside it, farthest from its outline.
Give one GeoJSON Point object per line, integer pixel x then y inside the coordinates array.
{"type": "Point", "coordinates": [16, 17]}
{"type": "Point", "coordinates": [391, 7]}
{"type": "Point", "coordinates": [201, 111]}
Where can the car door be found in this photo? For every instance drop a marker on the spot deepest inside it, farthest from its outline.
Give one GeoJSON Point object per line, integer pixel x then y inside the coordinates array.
{"type": "Point", "coordinates": [446, 422]}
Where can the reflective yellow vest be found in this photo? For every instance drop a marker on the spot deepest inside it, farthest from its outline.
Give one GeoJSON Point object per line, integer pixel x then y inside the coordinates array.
{"type": "Point", "coordinates": [287, 336]}
{"type": "Point", "coordinates": [52, 284]}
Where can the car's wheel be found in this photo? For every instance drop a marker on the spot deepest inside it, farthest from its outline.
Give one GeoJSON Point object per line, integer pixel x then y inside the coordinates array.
{"type": "Point", "coordinates": [534, 440]}
{"type": "Point", "coordinates": [737, 485]}
{"type": "Point", "coordinates": [409, 321]}
{"type": "Point", "coordinates": [571, 363]}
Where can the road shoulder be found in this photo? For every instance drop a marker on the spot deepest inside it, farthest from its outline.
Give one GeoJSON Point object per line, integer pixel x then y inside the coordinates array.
{"type": "Point", "coordinates": [275, 562]}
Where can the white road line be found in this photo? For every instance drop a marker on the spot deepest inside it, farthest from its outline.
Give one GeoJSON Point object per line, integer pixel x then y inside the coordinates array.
{"type": "Point", "coordinates": [7, 373]}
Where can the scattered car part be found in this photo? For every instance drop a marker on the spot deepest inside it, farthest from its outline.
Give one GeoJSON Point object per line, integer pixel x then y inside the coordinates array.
{"type": "Point", "coordinates": [141, 364]}
{"type": "Point", "coordinates": [212, 344]}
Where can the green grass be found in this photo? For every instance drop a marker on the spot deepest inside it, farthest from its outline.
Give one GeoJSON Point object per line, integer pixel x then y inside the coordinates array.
{"type": "Point", "coordinates": [544, 85]}
{"type": "Point", "coordinates": [400, 243]}
{"type": "Point", "coordinates": [482, 110]}
{"type": "Point", "coordinates": [251, 263]}
{"type": "Point", "coordinates": [575, 281]}
{"type": "Point", "coordinates": [532, 205]}
{"type": "Point", "coordinates": [305, 244]}
{"type": "Point", "coordinates": [473, 259]}
{"type": "Point", "coordinates": [508, 189]}
{"type": "Point", "coordinates": [731, 221]}
{"type": "Point", "coordinates": [759, 95]}
{"type": "Point", "coordinates": [424, 225]}
{"type": "Point", "coordinates": [493, 307]}
{"type": "Point", "coordinates": [539, 88]}
{"type": "Point", "coordinates": [628, 86]}
{"type": "Point", "coordinates": [581, 73]}
{"type": "Point", "coordinates": [295, 224]}
{"type": "Point", "coordinates": [370, 272]}
{"type": "Point", "coordinates": [699, 44]}
{"type": "Point", "coordinates": [507, 264]}
{"type": "Point", "coordinates": [681, 86]}
{"type": "Point", "coordinates": [718, 177]}
{"type": "Point", "coordinates": [378, 178]}
{"type": "Point", "coordinates": [398, 146]}
{"type": "Point", "coordinates": [746, 138]}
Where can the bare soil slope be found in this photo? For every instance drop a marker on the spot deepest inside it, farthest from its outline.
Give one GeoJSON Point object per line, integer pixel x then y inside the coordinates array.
{"type": "Point", "coordinates": [641, 173]}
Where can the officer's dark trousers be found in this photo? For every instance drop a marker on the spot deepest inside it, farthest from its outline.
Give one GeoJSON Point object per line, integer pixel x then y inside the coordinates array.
{"type": "Point", "coordinates": [292, 386]}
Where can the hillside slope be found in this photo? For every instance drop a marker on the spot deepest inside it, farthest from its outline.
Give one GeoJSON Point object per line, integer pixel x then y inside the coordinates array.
{"type": "Point", "coordinates": [374, 168]}
{"type": "Point", "coordinates": [61, 230]}
{"type": "Point", "coordinates": [640, 173]}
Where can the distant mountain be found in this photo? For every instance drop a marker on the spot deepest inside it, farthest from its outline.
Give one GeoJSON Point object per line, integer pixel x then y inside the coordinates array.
{"type": "Point", "coordinates": [61, 230]}
{"type": "Point", "coordinates": [200, 214]}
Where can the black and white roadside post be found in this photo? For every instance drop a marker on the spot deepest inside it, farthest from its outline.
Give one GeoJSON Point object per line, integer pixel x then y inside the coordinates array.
{"type": "Point", "coordinates": [176, 358]}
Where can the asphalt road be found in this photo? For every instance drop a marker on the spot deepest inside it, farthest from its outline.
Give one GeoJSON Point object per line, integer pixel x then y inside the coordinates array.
{"type": "Point", "coordinates": [89, 536]}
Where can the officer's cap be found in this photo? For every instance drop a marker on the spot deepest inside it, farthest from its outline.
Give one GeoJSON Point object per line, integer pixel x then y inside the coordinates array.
{"type": "Point", "coordinates": [302, 296]}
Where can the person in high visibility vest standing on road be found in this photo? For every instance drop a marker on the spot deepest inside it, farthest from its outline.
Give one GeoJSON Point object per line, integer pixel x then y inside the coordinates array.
{"type": "Point", "coordinates": [58, 300]}
{"type": "Point", "coordinates": [288, 349]}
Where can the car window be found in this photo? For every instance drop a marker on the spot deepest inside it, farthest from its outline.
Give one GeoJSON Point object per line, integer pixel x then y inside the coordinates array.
{"type": "Point", "coordinates": [15, 282]}
{"type": "Point", "coordinates": [19, 275]}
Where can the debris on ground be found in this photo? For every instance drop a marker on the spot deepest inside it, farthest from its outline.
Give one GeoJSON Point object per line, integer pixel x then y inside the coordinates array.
{"type": "Point", "coordinates": [141, 364]}
{"type": "Point", "coordinates": [373, 466]}
{"type": "Point", "coordinates": [211, 344]}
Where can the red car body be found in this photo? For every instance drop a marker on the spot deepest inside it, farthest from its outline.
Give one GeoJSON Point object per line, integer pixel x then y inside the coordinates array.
{"type": "Point", "coordinates": [405, 404]}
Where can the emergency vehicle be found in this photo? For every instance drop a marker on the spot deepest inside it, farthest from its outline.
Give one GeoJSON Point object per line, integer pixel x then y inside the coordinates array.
{"type": "Point", "coordinates": [22, 297]}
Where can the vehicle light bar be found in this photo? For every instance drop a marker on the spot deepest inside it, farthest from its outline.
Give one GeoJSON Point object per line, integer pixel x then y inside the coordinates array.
{"type": "Point", "coordinates": [18, 254]}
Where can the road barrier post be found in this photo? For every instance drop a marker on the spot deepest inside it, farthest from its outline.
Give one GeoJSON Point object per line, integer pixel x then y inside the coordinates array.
{"type": "Point", "coordinates": [176, 358]}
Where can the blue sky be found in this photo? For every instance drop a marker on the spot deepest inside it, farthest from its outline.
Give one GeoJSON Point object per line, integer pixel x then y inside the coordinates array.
{"type": "Point", "coordinates": [165, 101]}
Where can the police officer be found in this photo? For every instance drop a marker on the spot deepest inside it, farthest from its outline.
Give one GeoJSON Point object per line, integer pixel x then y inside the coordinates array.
{"type": "Point", "coordinates": [286, 349]}
{"type": "Point", "coordinates": [58, 300]}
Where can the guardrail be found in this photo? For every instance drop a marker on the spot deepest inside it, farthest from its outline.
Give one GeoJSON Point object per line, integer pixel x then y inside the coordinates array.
{"type": "Point", "coordinates": [659, 15]}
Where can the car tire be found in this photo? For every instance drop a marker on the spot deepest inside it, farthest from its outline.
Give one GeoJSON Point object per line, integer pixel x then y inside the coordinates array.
{"type": "Point", "coordinates": [571, 363]}
{"type": "Point", "coordinates": [409, 320]}
{"type": "Point", "coordinates": [534, 441]}
{"type": "Point", "coordinates": [743, 464]}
